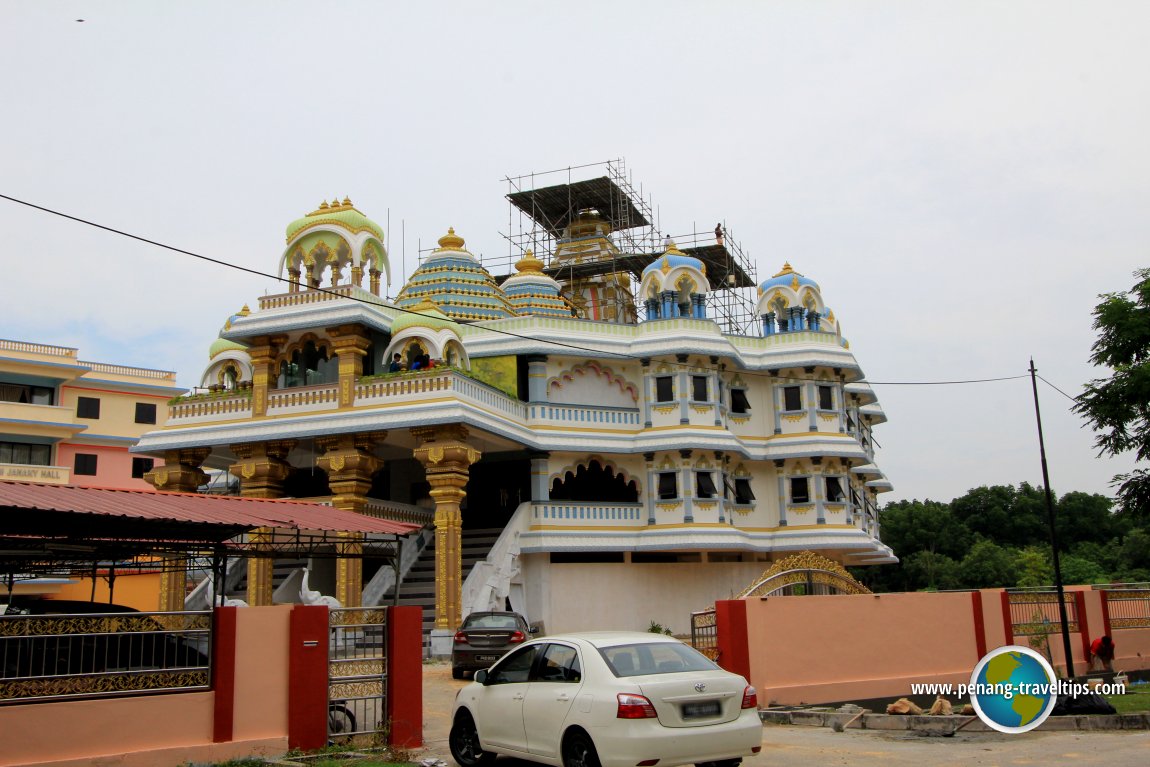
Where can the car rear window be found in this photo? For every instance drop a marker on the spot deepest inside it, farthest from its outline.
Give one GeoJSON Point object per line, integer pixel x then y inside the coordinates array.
{"type": "Point", "coordinates": [491, 622]}
{"type": "Point", "coordinates": [654, 658]}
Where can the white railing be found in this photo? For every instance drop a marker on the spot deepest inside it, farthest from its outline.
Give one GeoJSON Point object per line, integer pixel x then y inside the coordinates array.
{"type": "Point", "coordinates": [588, 414]}
{"type": "Point", "coordinates": [125, 370]}
{"type": "Point", "coordinates": [227, 406]}
{"type": "Point", "coordinates": [583, 513]}
{"type": "Point", "coordinates": [303, 396]}
{"type": "Point", "coordinates": [24, 346]}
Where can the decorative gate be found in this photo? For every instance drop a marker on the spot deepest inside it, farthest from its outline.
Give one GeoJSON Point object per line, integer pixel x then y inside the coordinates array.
{"type": "Point", "coordinates": [357, 672]}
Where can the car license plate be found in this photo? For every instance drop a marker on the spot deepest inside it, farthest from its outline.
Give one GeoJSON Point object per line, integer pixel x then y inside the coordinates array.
{"type": "Point", "coordinates": [486, 658]}
{"type": "Point", "coordinates": [700, 710]}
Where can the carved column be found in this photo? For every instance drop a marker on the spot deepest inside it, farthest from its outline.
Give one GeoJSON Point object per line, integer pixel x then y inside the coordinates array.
{"type": "Point", "coordinates": [446, 456]}
{"type": "Point", "coordinates": [173, 583]}
{"type": "Point", "coordinates": [180, 472]}
{"type": "Point", "coordinates": [351, 343]}
{"type": "Point", "coordinates": [263, 353]}
{"type": "Point", "coordinates": [374, 273]}
{"type": "Point", "coordinates": [294, 276]}
{"type": "Point", "coordinates": [349, 461]}
{"type": "Point", "coordinates": [262, 469]}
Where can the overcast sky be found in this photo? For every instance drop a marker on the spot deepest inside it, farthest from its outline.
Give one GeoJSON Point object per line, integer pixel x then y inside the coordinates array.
{"type": "Point", "coordinates": [963, 179]}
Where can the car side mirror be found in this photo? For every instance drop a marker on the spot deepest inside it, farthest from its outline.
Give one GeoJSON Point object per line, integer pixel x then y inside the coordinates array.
{"type": "Point", "coordinates": [481, 676]}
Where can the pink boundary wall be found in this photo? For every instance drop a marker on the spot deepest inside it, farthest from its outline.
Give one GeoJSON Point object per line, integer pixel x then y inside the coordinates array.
{"type": "Point", "coordinates": [254, 651]}
{"type": "Point", "coordinates": [822, 649]}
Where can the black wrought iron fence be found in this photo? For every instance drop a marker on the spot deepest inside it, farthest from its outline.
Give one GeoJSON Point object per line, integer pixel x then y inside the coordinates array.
{"type": "Point", "coordinates": [357, 671]}
{"type": "Point", "coordinates": [103, 654]}
{"type": "Point", "coordinates": [704, 633]}
{"type": "Point", "coordinates": [1129, 608]}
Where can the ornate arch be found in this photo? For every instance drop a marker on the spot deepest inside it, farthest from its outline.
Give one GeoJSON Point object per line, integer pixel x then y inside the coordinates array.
{"type": "Point", "coordinates": [601, 371]}
{"type": "Point", "coordinates": [807, 573]}
{"type": "Point", "coordinates": [572, 470]}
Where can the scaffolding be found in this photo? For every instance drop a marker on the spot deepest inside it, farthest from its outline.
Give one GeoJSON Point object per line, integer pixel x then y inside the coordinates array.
{"type": "Point", "coordinates": [543, 204]}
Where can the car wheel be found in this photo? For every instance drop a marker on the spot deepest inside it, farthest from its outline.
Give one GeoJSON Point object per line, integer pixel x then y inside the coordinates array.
{"type": "Point", "coordinates": [579, 751]}
{"type": "Point", "coordinates": [463, 741]}
{"type": "Point", "coordinates": [340, 720]}
{"type": "Point", "coordinates": [457, 673]}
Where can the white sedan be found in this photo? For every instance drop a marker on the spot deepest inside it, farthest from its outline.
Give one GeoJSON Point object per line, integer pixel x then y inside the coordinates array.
{"type": "Point", "coordinates": [606, 699]}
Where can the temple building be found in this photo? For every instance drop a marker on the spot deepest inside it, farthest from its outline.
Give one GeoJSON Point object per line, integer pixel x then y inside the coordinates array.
{"type": "Point", "coordinates": [625, 427]}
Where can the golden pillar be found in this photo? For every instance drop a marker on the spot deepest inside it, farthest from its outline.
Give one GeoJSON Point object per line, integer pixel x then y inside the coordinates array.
{"type": "Point", "coordinates": [357, 275]}
{"type": "Point", "coordinates": [349, 462]}
{"type": "Point", "coordinates": [180, 472]}
{"type": "Point", "coordinates": [351, 343]}
{"type": "Point", "coordinates": [446, 456]}
{"type": "Point", "coordinates": [375, 273]}
{"type": "Point", "coordinates": [262, 469]}
{"type": "Point", "coordinates": [173, 583]}
{"type": "Point", "coordinates": [263, 353]}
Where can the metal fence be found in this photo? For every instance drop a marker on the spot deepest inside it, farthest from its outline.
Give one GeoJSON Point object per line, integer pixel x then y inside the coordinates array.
{"type": "Point", "coordinates": [357, 672]}
{"type": "Point", "coordinates": [51, 657]}
{"type": "Point", "coordinates": [704, 633]}
{"type": "Point", "coordinates": [1128, 608]}
{"type": "Point", "coordinates": [1036, 612]}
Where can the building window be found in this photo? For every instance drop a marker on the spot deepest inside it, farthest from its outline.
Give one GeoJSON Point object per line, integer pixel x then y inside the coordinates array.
{"type": "Point", "coordinates": [145, 412]}
{"type": "Point", "coordinates": [86, 464]}
{"type": "Point", "coordinates": [141, 466]}
{"type": "Point", "coordinates": [705, 485]}
{"type": "Point", "coordinates": [88, 407]}
{"type": "Point", "coordinates": [835, 490]}
{"type": "Point", "coordinates": [826, 398]}
{"type": "Point", "coordinates": [792, 398]}
{"type": "Point", "coordinates": [664, 392]}
{"type": "Point", "coordinates": [668, 485]}
{"type": "Point", "coordinates": [800, 490]}
{"type": "Point", "coordinates": [25, 454]}
{"type": "Point", "coordinates": [743, 493]}
{"type": "Point", "coordinates": [25, 394]}
{"type": "Point", "coordinates": [699, 389]}
{"type": "Point", "coordinates": [739, 403]}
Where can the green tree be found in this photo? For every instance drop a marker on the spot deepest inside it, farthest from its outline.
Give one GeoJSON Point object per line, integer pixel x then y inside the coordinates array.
{"type": "Point", "coordinates": [988, 565]}
{"type": "Point", "coordinates": [1087, 518]}
{"type": "Point", "coordinates": [1118, 407]}
{"type": "Point", "coordinates": [1034, 568]}
{"type": "Point", "coordinates": [928, 570]}
{"type": "Point", "coordinates": [909, 526]}
{"type": "Point", "coordinates": [1007, 515]}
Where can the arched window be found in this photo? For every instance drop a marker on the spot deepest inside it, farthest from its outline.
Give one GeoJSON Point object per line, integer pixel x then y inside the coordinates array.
{"type": "Point", "coordinates": [595, 483]}
{"type": "Point", "coordinates": [308, 366]}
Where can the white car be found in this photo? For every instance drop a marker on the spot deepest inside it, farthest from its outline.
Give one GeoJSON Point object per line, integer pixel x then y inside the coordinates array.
{"type": "Point", "coordinates": [606, 699]}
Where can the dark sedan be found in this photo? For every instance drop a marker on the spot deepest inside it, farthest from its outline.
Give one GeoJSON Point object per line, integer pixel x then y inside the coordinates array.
{"type": "Point", "coordinates": [483, 639]}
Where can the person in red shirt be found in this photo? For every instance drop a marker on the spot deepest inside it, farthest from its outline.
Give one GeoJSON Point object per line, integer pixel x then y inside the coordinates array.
{"type": "Point", "coordinates": [1102, 650]}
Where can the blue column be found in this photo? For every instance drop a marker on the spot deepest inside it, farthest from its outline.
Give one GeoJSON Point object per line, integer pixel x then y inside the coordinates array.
{"type": "Point", "coordinates": [717, 396]}
{"type": "Point", "coordinates": [648, 392]}
{"type": "Point", "coordinates": [668, 305]}
{"type": "Point", "coordinates": [768, 324]}
{"type": "Point", "coordinates": [652, 308]}
{"type": "Point", "coordinates": [687, 486]}
{"type": "Point", "coordinates": [539, 474]}
{"type": "Point", "coordinates": [684, 395]}
{"type": "Point", "coordinates": [813, 319]}
{"type": "Point", "coordinates": [537, 378]}
{"type": "Point", "coordinates": [782, 497]}
{"type": "Point", "coordinates": [820, 499]}
{"type": "Point", "coordinates": [812, 405]}
{"type": "Point", "coordinates": [777, 398]}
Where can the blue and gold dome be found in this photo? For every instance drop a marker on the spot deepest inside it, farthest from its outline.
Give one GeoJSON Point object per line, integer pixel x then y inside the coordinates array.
{"type": "Point", "coordinates": [454, 280]}
{"type": "Point", "coordinates": [533, 292]}
{"type": "Point", "coordinates": [788, 278]}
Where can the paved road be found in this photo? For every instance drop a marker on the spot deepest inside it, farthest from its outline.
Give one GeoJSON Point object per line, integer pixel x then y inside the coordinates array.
{"type": "Point", "coordinates": [787, 746]}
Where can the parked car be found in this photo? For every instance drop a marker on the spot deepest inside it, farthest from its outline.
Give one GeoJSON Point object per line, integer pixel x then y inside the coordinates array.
{"type": "Point", "coordinates": [606, 699]}
{"type": "Point", "coordinates": [483, 639]}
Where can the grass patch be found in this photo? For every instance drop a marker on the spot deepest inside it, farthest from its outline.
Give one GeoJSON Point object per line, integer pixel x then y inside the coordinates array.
{"type": "Point", "coordinates": [1131, 702]}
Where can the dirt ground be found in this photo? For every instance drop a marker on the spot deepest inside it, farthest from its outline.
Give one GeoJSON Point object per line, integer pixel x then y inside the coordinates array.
{"type": "Point", "coordinates": [789, 746]}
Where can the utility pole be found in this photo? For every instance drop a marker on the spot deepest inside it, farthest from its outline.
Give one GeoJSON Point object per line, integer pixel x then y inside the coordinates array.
{"type": "Point", "coordinates": [1053, 531]}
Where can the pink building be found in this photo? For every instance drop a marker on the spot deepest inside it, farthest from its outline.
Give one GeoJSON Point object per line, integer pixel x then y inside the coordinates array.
{"type": "Point", "coordinates": [65, 421]}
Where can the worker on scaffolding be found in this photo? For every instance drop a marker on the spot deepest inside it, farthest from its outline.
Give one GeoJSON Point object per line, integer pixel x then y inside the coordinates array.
{"type": "Point", "coordinates": [719, 233]}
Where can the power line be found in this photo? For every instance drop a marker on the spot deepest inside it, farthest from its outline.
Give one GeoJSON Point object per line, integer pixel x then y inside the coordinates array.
{"type": "Point", "coordinates": [561, 344]}
{"type": "Point", "coordinates": [1052, 386]}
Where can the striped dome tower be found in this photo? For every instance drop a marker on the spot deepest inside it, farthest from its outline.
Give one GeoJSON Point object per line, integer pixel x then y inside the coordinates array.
{"type": "Point", "coordinates": [533, 292]}
{"type": "Point", "coordinates": [454, 280]}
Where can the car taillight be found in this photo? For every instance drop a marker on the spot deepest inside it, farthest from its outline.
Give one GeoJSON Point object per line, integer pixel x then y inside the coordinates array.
{"type": "Point", "coordinates": [460, 638]}
{"type": "Point", "coordinates": [517, 637]}
{"type": "Point", "coordinates": [635, 707]}
{"type": "Point", "coordinates": [750, 698]}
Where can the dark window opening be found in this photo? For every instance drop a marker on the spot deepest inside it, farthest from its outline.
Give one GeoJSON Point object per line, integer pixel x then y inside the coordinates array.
{"type": "Point", "coordinates": [145, 412]}
{"type": "Point", "coordinates": [792, 398]}
{"type": "Point", "coordinates": [141, 466]}
{"type": "Point", "coordinates": [704, 485]}
{"type": "Point", "coordinates": [668, 485]}
{"type": "Point", "coordinates": [664, 391]}
{"type": "Point", "coordinates": [307, 482]}
{"type": "Point", "coordinates": [308, 366]}
{"type": "Point", "coordinates": [739, 402]}
{"type": "Point", "coordinates": [699, 389]}
{"type": "Point", "coordinates": [800, 490]}
{"type": "Point", "coordinates": [585, 557]}
{"type": "Point", "coordinates": [826, 398]}
{"type": "Point", "coordinates": [26, 394]}
{"type": "Point", "coordinates": [835, 490]}
{"type": "Point", "coordinates": [88, 407]}
{"type": "Point", "coordinates": [595, 482]}
{"type": "Point", "coordinates": [743, 492]}
{"type": "Point", "coordinates": [25, 454]}
{"type": "Point", "coordinates": [86, 464]}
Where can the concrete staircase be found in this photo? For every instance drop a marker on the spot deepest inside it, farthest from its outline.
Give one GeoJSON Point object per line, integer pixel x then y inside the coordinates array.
{"type": "Point", "coordinates": [418, 588]}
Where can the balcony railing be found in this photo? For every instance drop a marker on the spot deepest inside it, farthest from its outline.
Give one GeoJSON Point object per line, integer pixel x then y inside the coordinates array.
{"type": "Point", "coordinates": [124, 370]}
{"type": "Point", "coordinates": [23, 346]}
{"type": "Point", "coordinates": [588, 512]}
